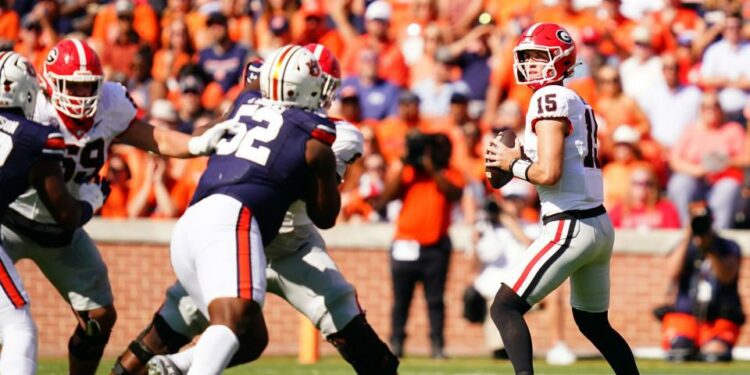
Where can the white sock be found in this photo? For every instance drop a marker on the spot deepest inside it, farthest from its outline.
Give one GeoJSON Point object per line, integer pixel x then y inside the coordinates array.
{"type": "Point", "coordinates": [214, 350]}
{"type": "Point", "coordinates": [184, 359]}
{"type": "Point", "coordinates": [18, 356]}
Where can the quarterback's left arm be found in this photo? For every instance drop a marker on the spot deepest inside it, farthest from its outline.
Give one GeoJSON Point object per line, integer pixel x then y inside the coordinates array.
{"type": "Point", "coordinates": [167, 142]}
{"type": "Point", "coordinates": [548, 169]}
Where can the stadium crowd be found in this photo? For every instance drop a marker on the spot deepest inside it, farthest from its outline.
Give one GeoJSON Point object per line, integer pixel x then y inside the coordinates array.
{"type": "Point", "coordinates": [668, 80]}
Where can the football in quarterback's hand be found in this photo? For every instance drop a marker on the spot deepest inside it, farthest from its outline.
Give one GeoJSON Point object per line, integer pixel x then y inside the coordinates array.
{"type": "Point", "coordinates": [498, 177]}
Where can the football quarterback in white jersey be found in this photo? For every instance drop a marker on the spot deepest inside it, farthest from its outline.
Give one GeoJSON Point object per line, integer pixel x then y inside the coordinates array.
{"type": "Point", "coordinates": [326, 298]}
{"type": "Point", "coordinates": [559, 157]}
{"type": "Point", "coordinates": [91, 114]}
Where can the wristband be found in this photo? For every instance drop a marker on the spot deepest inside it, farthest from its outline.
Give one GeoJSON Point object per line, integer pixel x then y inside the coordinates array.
{"type": "Point", "coordinates": [520, 168]}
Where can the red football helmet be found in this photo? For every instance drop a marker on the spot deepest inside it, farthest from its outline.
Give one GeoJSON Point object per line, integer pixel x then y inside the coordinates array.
{"type": "Point", "coordinates": [556, 43]}
{"type": "Point", "coordinates": [331, 71]}
{"type": "Point", "coordinates": [69, 64]}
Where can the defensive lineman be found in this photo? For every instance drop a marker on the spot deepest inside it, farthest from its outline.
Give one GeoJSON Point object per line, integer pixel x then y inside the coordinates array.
{"type": "Point", "coordinates": [560, 158]}
{"type": "Point", "coordinates": [90, 114]}
{"type": "Point", "coordinates": [296, 257]}
{"type": "Point", "coordinates": [280, 152]}
{"type": "Point", "coordinates": [30, 155]}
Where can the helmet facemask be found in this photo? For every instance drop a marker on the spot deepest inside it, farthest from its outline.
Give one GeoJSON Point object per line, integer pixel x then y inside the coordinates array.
{"type": "Point", "coordinates": [330, 85]}
{"type": "Point", "coordinates": [78, 107]}
{"type": "Point", "coordinates": [522, 67]}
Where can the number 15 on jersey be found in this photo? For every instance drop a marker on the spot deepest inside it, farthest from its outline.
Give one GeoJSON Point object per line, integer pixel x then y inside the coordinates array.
{"type": "Point", "coordinates": [247, 144]}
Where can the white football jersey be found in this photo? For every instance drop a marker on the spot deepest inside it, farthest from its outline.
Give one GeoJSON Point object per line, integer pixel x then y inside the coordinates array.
{"type": "Point", "coordinates": [580, 186]}
{"type": "Point", "coordinates": [85, 154]}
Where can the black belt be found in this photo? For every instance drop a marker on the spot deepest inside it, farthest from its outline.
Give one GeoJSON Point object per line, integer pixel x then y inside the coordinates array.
{"type": "Point", "coordinates": [575, 214]}
{"type": "Point", "coordinates": [46, 235]}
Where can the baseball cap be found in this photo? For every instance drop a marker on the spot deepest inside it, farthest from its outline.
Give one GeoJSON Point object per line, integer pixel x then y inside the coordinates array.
{"type": "Point", "coordinates": [192, 84]}
{"type": "Point", "coordinates": [312, 8]}
{"type": "Point", "coordinates": [163, 109]}
{"type": "Point", "coordinates": [626, 134]}
{"type": "Point", "coordinates": [278, 25]}
{"type": "Point", "coordinates": [459, 98]}
{"type": "Point", "coordinates": [216, 18]}
{"type": "Point", "coordinates": [379, 10]}
{"type": "Point", "coordinates": [124, 7]}
{"type": "Point", "coordinates": [407, 96]}
{"type": "Point", "coordinates": [252, 70]}
{"type": "Point", "coordinates": [516, 189]}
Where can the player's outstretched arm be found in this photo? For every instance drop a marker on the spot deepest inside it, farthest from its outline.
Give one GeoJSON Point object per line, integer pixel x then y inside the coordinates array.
{"type": "Point", "coordinates": [172, 143]}
{"type": "Point", "coordinates": [46, 177]}
{"type": "Point", "coordinates": [548, 169]}
{"type": "Point", "coordinates": [323, 200]}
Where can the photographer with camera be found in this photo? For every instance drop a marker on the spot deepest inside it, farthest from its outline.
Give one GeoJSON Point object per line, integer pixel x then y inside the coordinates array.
{"type": "Point", "coordinates": [421, 250]}
{"type": "Point", "coordinates": [704, 321]}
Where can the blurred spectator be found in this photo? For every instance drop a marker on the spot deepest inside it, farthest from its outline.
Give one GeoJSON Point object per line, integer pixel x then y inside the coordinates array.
{"type": "Point", "coordinates": [270, 9]}
{"type": "Point", "coordinates": [704, 316]}
{"type": "Point", "coordinates": [77, 15]}
{"type": "Point", "coordinates": [423, 67]}
{"type": "Point", "coordinates": [615, 109]}
{"type": "Point", "coordinates": [435, 92]}
{"type": "Point", "coordinates": [316, 29]}
{"type": "Point", "coordinates": [615, 29]}
{"type": "Point", "coordinates": [725, 68]}
{"type": "Point", "coordinates": [369, 187]}
{"type": "Point", "coordinates": [121, 44]}
{"type": "Point", "coordinates": [9, 22]}
{"type": "Point", "coordinates": [241, 24]}
{"type": "Point", "coordinates": [644, 208]}
{"type": "Point", "coordinates": [701, 164]}
{"type": "Point", "coordinates": [118, 174]}
{"type": "Point", "coordinates": [224, 59]}
{"type": "Point", "coordinates": [279, 36]}
{"type": "Point", "coordinates": [141, 86]}
{"type": "Point", "coordinates": [195, 21]}
{"type": "Point", "coordinates": [391, 133]}
{"type": "Point", "coordinates": [189, 106]}
{"type": "Point", "coordinates": [668, 125]}
{"type": "Point", "coordinates": [141, 19]}
{"type": "Point", "coordinates": [641, 72]}
{"type": "Point", "coordinates": [626, 157]}
{"type": "Point", "coordinates": [378, 98]}
{"type": "Point", "coordinates": [421, 248]}
{"type": "Point", "coordinates": [176, 52]}
{"type": "Point", "coordinates": [391, 65]}
{"type": "Point", "coordinates": [675, 20]}
{"type": "Point", "coordinates": [460, 127]}
{"type": "Point", "coordinates": [566, 14]}
{"type": "Point", "coordinates": [472, 54]}
{"type": "Point", "coordinates": [35, 41]}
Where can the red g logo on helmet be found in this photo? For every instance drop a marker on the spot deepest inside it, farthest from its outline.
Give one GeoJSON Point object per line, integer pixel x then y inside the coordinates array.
{"type": "Point", "coordinates": [544, 39]}
{"type": "Point", "coordinates": [73, 63]}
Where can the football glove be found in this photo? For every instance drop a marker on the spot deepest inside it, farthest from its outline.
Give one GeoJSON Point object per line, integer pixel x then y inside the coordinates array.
{"type": "Point", "coordinates": [348, 146]}
{"type": "Point", "coordinates": [205, 143]}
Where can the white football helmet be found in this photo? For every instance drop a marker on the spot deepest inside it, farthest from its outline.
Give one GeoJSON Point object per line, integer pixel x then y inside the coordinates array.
{"type": "Point", "coordinates": [18, 85]}
{"type": "Point", "coordinates": [292, 77]}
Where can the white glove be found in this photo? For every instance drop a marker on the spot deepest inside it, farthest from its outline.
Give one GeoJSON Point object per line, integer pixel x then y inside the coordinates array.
{"type": "Point", "coordinates": [205, 143]}
{"type": "Point", "coordinates": [348, 146]}
{"type": "Point", "coordinates": [92, 194]}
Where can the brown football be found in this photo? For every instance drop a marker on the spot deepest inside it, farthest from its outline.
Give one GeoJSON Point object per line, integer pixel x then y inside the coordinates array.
{"type": "Point", "coordinates": [498, 177]}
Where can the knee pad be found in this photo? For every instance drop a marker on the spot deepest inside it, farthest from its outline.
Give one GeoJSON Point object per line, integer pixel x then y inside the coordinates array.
{"type": "Point", "coordinates": [506, 300]}
{"type": "Point", "coordinates": [88, 344]}
{"type": "Point", "coordinates": [362, 348]}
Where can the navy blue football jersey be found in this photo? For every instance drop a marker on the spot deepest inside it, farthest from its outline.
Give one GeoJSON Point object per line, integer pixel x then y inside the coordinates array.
{"type": "Point", "coordinates": [22, 143]}
{"type": "Point", "coordinates": [263, 164]}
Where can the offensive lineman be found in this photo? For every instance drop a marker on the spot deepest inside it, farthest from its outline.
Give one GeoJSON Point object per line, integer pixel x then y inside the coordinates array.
{"type": "Point", "coordinates": [280, 152]}
{"type": "Point", "coordinates": [327, 299]}
{"type": "Point", "coordinates": [30, 155]}
{"type": "Point", "coordinates": [90, 114]}
{"type": "Point", "coordinates": [560, 158]}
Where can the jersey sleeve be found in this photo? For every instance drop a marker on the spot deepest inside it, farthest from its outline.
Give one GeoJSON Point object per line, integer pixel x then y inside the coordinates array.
{"type": "Point", "coordinates": [54, 146]}
{"type": "Point", "coordinates": [324, 130]}
{"type": "Point", "coordinates": [553, 103]}
{"type": "Point", "coordinates": [120, 108]}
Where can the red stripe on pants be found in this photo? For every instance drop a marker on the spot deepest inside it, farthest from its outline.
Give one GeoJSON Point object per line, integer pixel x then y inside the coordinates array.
{"type": "Point", "coordinates": [14, 295]}
{"type": "Point", "coordinates": [538, 256]}
{"type": "Point", "coordinates": [244, 262]}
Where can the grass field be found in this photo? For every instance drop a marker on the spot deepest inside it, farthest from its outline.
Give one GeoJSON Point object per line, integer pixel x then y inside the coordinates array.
{"type": "Point", "coordinates": [464, 366]}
